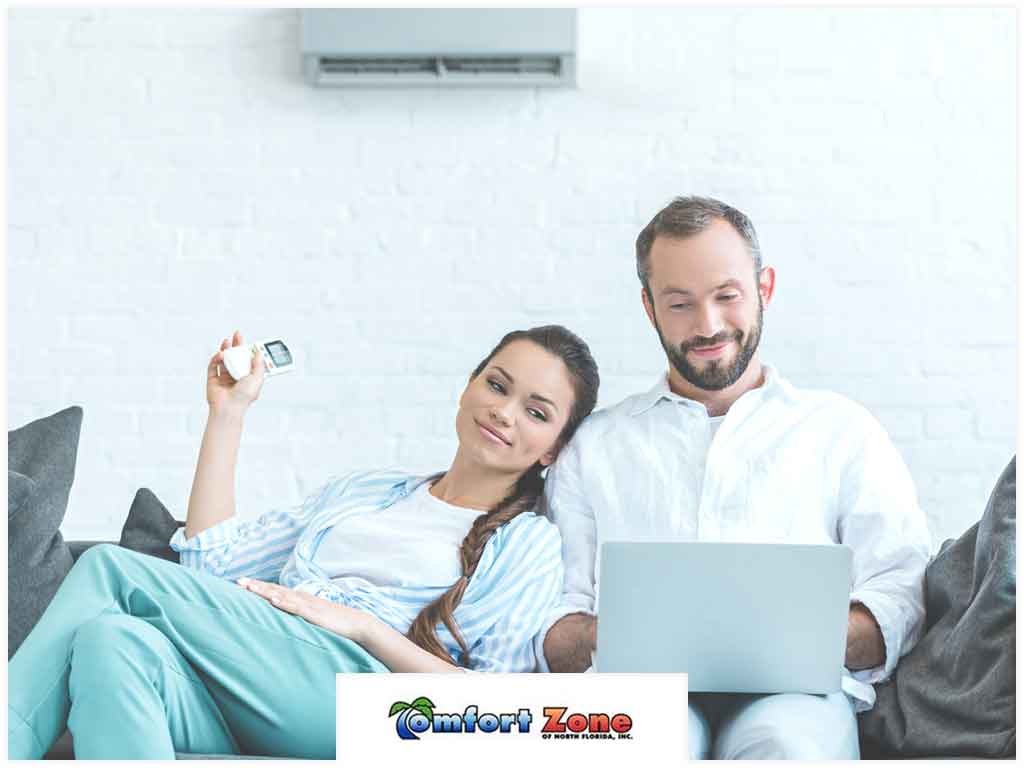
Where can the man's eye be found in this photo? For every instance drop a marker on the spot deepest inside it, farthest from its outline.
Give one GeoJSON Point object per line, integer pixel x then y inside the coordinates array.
{"type": "Point", "coordinates": [679, 306]}
{"type": "Point", "coordinates": [496, 385]}
{"type": "Point", "coordinates": [540, 415]}
{"type": "Point", "coordinates": [729, 296]}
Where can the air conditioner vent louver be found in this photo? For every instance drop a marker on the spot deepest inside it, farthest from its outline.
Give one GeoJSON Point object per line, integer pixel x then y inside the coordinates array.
{"type": "Point", "coordinates": [353, 47]}
{"type": "Point", "coordinates": [441, 66]}
{"type": "Point", "coordinates": [536, 65]}
{"type": "Point", "coordinates": [383, 65]}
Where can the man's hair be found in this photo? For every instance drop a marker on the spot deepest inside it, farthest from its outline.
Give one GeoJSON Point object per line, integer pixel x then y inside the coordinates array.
{"type": "Point", "coordinates": [687, 216]}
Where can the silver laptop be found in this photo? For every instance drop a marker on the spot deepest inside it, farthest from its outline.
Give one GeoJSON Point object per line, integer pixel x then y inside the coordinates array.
{"type": "Point", "coordinates": [737, 618]}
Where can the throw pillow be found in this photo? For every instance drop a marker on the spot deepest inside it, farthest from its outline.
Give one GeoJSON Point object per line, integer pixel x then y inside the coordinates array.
{"type": "Point", "coordinates": [954, 693]}
{"type": "Point", "coordinates": [149, 527]}
{"type": "Point", "coordinates": [42, 452]}
{"type": "Point", "coordinates": [19, 488]}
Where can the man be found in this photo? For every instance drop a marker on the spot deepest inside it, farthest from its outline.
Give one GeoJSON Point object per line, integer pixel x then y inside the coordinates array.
{"type": "Point", "coordinates": [724, 449]}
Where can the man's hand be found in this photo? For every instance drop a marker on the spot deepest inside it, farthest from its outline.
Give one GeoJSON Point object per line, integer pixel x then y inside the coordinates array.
{"type": "Point", "coordinates": [570, 642]}
{"type": "Point", "coordinates": [865, 647]}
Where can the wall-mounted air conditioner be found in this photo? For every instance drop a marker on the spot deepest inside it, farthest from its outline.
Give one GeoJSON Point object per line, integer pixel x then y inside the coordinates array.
{"type": "Point", "coordinates": [526, 47]}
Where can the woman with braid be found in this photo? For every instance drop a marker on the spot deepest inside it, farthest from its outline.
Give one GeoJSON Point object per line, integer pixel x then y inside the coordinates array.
{"type": "Point", "coordinates": [237, 652]}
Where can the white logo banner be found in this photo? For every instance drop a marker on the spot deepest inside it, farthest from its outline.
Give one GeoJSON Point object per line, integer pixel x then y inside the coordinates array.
{"type": "Point", "coordinates": [525, 720]}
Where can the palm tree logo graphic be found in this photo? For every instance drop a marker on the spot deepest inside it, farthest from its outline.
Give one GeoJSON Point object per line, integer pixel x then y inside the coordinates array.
{"type": "Point", "coordinates": [404, 710]}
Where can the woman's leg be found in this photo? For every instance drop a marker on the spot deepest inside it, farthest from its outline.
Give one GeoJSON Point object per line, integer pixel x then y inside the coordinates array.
{"type": "Point", "coordinates": [133, 696]}
{"type": "Point", "coordinates": [271, 674]}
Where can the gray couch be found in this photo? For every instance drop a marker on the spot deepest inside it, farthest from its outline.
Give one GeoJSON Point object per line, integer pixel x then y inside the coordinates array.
{"type": "Point", "coordinates": [965, 660]}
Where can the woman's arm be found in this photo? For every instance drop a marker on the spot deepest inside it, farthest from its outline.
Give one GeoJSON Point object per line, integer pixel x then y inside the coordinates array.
{"type": "Point", "coordinates": [212, 499]}
{"type": "Point", "coordinates": [397, 652]}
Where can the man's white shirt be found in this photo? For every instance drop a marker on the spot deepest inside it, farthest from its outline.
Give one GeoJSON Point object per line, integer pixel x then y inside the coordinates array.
{"type": "Point", "coordinates": [785, 465]}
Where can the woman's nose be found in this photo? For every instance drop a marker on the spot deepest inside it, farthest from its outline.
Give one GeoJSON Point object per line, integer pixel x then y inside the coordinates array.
{"type": "Point", "coordinates": [500, 416]}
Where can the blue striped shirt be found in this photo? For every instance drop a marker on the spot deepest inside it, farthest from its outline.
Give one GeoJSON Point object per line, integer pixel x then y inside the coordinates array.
{"type": "Point", "coordinates": [516, 583]}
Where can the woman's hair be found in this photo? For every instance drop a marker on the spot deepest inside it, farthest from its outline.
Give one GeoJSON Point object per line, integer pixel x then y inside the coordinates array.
{"type": "Point", "coordinates": [575, 354]}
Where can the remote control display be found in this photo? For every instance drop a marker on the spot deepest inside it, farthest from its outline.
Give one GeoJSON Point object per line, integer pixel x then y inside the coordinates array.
{"type": "Point", "coordinates": [279, 353]}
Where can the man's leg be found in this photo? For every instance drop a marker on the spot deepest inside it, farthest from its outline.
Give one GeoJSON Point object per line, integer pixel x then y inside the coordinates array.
{"type": "Point", "coordinates": [698, 731]}
{"type": "Point", "coordinates": [788, 726]}
{"type": "Point", "coordinates": [271, 674]}
{"type": "Point", "coordinates": [133, 696]}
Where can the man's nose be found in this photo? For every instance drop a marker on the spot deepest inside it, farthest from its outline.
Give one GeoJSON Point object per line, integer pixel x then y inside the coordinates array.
{"type": "Point", "coordinates": [709, 321]}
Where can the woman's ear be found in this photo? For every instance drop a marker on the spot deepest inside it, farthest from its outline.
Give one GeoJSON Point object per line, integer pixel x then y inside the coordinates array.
{"type": "Point", "coordinates": [549, 458]}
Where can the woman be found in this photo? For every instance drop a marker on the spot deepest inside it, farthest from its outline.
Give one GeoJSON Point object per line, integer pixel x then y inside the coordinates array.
{"type": "Point", "coordinates": [140, 658]}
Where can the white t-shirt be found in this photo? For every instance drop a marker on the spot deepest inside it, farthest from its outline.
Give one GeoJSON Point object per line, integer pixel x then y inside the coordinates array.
{"type": "Point", "coordinates": [413, 543]}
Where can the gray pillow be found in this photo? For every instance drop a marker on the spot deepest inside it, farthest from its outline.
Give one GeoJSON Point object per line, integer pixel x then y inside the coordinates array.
{"type": "Point", "coordinates": [19, 488]}
{"type": "Point", "coordinates": [40, 468]}
{"type": "Point", "coordinates": [955, 692]}
{"type": "Point", "coordinates": [149, 527]}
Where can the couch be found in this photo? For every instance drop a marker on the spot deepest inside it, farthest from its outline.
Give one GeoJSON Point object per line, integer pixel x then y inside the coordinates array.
{"type": "Point", "coordinates": [952, 695]}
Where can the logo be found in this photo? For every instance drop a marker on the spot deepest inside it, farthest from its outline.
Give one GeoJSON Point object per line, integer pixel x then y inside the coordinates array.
{"type": "Point", "coordinates": [419, 717]}
{"type": "Point", "coordinates": [596, 725]}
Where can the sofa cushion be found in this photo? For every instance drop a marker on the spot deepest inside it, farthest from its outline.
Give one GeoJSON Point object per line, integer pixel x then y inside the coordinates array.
{"type": "Point", "coordinates": [40, 470]}
{"type": "Point", "coordinates": [19, 488]}
{"type": "Point", "coordinates": [149, 527]}
{"type": "Point", "coordinates": [954, 693]}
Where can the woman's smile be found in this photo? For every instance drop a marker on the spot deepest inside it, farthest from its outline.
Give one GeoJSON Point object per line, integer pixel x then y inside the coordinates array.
{"type": "Point", "coordinates": [493, 435]}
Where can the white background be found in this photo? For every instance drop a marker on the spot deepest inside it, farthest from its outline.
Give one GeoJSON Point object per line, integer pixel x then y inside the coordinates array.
{"type": "Point", "coordinates": [173, 178]}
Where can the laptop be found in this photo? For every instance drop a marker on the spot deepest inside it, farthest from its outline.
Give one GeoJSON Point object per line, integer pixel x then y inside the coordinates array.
{"type": "Point", "coordinates": [737, 618]}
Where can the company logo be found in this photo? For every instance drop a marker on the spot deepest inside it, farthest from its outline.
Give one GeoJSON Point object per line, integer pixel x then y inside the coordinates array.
{"type": "Point", "coordinates": [419, 717]}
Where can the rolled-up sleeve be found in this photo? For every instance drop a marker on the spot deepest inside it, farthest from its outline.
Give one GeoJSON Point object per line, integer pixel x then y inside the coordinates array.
{"type": "Point", "coordinates": [257, 548]}
{"type": "Point", "coordinates": [567, 507]}
{"type": "Point", "coordinates": [530, 579]}
{"type": "Point", "coordinates": [880, 519]}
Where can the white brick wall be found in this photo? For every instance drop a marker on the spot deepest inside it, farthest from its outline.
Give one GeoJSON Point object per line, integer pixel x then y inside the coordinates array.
{"type": "Point", "coordinates": [172, 178]}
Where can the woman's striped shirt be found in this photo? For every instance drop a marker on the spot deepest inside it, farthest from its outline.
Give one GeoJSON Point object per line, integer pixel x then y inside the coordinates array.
{"type": "Point", "coordinates": [518, 579]}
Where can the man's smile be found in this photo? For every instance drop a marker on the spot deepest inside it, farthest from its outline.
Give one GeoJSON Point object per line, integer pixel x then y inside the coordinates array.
{"type": "Point", "coordinates": [709, 352]}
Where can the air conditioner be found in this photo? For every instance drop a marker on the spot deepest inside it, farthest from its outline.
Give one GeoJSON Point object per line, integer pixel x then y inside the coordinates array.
{"type": "Point", "coordinates": [354, 47]}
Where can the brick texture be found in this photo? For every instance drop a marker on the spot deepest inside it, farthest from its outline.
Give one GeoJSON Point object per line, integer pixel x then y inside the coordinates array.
{"type": "Point", "coordinates": [172, 178]}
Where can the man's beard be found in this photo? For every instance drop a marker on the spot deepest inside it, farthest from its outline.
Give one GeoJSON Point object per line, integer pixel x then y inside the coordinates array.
{"type": "Point", "coordinates": [715, 376]}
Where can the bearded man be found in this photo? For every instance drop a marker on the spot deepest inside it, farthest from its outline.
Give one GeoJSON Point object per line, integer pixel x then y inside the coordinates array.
{"type": "Point", "coordinates": [722, 448]}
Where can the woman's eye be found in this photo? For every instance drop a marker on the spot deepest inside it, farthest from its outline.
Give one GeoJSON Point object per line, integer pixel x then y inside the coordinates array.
{"type": "Point", "coordinates": [729, 296]}
{"type": "Point", "coordinates": [679, 306]}
{"type": "Point", "coordinates": [496, 385]}
{"type": "Point", "coordinates": [540, 415]}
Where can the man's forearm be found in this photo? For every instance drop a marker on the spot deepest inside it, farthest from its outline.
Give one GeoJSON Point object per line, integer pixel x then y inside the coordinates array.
{"type": "Point", "coordinates": [570, 642]}
{"type": "Point", "coordinates": [865, 646]}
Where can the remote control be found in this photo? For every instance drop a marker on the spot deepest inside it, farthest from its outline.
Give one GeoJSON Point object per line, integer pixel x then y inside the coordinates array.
{"type": "Point", "coordinates": [276, 356]}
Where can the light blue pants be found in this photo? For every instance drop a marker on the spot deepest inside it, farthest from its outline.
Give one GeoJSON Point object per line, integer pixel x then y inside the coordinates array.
{"type": "Point", "coordinates": [139, 658]}
{"type": "Point", "coordinates": [783, 726]}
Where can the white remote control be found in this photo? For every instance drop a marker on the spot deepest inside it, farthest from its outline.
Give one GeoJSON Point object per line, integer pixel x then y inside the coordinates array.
{"type": "Point", "coordinates": [276, 357]}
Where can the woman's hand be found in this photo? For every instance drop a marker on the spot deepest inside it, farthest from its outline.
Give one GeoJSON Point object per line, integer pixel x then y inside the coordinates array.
{"type": "Point", "coordinates": [339, 619]}
{"type": "Point", "coordinates": [222, 391]}
{"type": "Point", "coordinates": [394, 650]}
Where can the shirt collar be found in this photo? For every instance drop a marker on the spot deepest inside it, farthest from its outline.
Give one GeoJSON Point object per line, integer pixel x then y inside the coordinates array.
{"type": "Point", "coordinates": [774, 386]}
